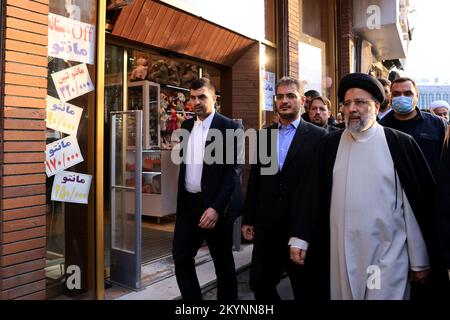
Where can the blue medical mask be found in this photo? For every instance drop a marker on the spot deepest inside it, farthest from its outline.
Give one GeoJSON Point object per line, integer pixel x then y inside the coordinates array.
{"type": "Point", "coordinates": [402, 104]}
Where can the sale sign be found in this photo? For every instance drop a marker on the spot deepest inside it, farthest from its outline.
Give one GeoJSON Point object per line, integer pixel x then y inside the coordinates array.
{"type": "Point", "coordinates": [70, 39]}
{"type": "Point", "coordinates": [62, 116]}
{"type": "Point", "coordinates": [71, 187]}
{"type": "Point", "coordinates": [269, 90]}
{"type": "Point", "coordinates": [72, 82]}
{"type": "Point", "coordinates": [62, 154]}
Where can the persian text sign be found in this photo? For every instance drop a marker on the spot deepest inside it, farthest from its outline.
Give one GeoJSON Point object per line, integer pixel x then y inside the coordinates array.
{"type": "Point", "coordinates": [70, 39]}
{"type": "Point", "coordinates": [62, 116]}
{"type": "Point", "coordinates": [269, 90]}
{"type": "Point", "coordinates": [72, 82]}
{"type": "Point", "coordinates": [71, 187]}
{"type": "Point", "coordinates": [62, 154]}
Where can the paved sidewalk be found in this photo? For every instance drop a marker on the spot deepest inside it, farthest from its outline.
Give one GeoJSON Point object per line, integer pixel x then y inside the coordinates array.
{"type": "Point", "coordinates": [167, 289]}
{"type": "Point", "coordinates": [244, 292]}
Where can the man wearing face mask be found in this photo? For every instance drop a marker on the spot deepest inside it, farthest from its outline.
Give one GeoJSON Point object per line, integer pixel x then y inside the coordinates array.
{"type": "Point", "coordinates": [428, 130]}
{"type": "Point", "coordinates": [362, 216]}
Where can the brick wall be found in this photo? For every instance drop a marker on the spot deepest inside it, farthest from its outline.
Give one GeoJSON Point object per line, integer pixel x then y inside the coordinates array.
{"type": "Point", "coordinates": [294, 24]}
{"type": "Point", "coordinates": [23, 179]}
{"type": "Point", "coordinates": [245, 92]}
{"type": "Point", "coordinates": [347, 36]}
{"type": "Point", "coordinates": [2, 56]}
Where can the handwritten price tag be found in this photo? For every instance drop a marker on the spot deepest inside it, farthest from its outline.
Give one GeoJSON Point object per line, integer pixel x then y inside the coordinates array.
{"type": "Point", "coordinates": [62, 154]}
{"type": "Point", "coordinates": [70, 39]}
{"type": "Point", "coordinates": [62, 116]}
{"type": "Point", "coordinates": [71, 187]}
{"type": "Point", "coordinates": [72, 82]}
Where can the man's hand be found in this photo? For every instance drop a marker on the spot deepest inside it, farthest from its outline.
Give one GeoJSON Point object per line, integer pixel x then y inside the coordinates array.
{"type": "Point", "coordinates": [208, 219]}
{"type": "Point", "coordinates": [248, 232]}
{"type": "Point", "coordinates": [298, 255]}
{"type": "Point", "coordinates": [418, 276]}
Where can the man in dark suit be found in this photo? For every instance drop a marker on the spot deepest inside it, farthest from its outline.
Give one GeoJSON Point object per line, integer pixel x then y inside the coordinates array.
{"type": "Point", "coordinates": [320, 113]}
{"type": "Point", "coordinates": [308, 97]}
{"type": "Point", "coordinates": [269, 196]}
{"type": "Point", "coordinates": [205, 188]}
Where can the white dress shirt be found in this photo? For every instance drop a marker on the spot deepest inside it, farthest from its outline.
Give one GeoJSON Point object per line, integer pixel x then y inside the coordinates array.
{"type": "Point", "coordinates": [195, 153]}
{"type": "Point", "coordinates": [382, 114]}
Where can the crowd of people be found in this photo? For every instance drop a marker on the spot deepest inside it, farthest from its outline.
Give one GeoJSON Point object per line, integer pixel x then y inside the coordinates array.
{"type": "Point", "coordinates": [359, 208]}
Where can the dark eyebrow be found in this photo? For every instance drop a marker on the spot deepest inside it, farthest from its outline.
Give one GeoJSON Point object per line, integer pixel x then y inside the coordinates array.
{"type": "Point", "coordinates": [400, 91]}
{"type": "Point", "coordinates": [202, 96]}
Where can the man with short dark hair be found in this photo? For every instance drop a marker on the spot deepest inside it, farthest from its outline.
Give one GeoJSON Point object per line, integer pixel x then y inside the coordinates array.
{"type": "Point", "coordinates": [385, 107]}
{"type": "Point", "coordinates": [269, 196]}
{"type": "Point", "coordinates": [320, 113]}
{"type": "Point", "coordinates": [308, 96]}
{"type": "Point", "coordinates": [428, 130]}
{"type": "Point", "coordinates": [204, 193]}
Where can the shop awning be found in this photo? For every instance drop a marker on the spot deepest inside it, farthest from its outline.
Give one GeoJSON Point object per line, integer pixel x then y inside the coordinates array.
{"type": "Point", "coordinates": [156, 24]}
{"type": "Point", "coordinates": [384, 24]}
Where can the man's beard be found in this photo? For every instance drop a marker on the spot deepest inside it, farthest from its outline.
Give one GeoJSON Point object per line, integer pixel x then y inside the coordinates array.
{"type": "Point", "coordinates": [292, 115]}
{"type": "Point", "coordinates": [364, 123]}
{"type": "Point", "coordinates": [288, 116]}
{"type": "Point", "coordinates": [318, 122]}
{"type": "Point", "coordinates": [200, 110]}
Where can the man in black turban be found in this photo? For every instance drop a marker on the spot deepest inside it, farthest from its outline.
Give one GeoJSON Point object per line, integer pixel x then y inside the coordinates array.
{"type": "Point", "coordinates": [361, 81]}
{"type": "Point", "coordinates": [361, 221]}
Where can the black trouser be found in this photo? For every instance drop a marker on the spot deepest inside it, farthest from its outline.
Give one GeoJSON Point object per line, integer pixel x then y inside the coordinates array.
{"type": "Point", "coordinates": [188, 238]}
{"type": "Point", "coordinates": [270, 259]}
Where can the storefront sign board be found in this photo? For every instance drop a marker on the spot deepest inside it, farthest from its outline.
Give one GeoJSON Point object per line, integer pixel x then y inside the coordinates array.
{"type": "Point", "coordinates": [71, 187]}
{"type": "Point", "coordinates": [70, 39]}
{"type": "Point", "coordinates": [62, 154]}
{"type": "Point", "coordinates": [72, 82]}
{"type": "Point", "coordinates": [63, 116]}
{"type": "Point", "coordinates": [269, 90]}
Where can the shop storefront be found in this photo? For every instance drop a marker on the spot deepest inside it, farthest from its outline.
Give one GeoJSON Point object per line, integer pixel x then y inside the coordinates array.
{"type": "Point", "coordinates": [72, 69]}
{"type": "Point", "coordinates": [317, 47]}
{"type": "Point", "coordinates": [71, 155]}
{"type": "Point", "coordinates": [156, 84]}
{"type": "Point", "coordinates": [49, 183]}
{"type": "Point", "coordinates": [148, 70]}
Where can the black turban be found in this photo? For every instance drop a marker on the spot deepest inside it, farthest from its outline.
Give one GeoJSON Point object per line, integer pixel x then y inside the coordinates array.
{"type": "Point", "coordinates": [361, 81]}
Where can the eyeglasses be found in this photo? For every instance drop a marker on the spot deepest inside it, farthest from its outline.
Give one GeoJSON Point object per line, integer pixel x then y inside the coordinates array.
{"type": "Point", "coordinates": [289, 96]}
{"type": "Point", "coordinates": [357, 102]}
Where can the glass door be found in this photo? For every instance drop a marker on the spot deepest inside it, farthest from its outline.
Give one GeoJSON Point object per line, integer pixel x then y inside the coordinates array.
{"type": "Point", "coordinates": [126, 200]}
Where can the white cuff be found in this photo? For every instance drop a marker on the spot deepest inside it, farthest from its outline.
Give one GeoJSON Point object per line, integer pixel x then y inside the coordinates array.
{"type": "Point", "coordinates": [420, 268]}
{"type": "Point", "coordinates": [298, 243]}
